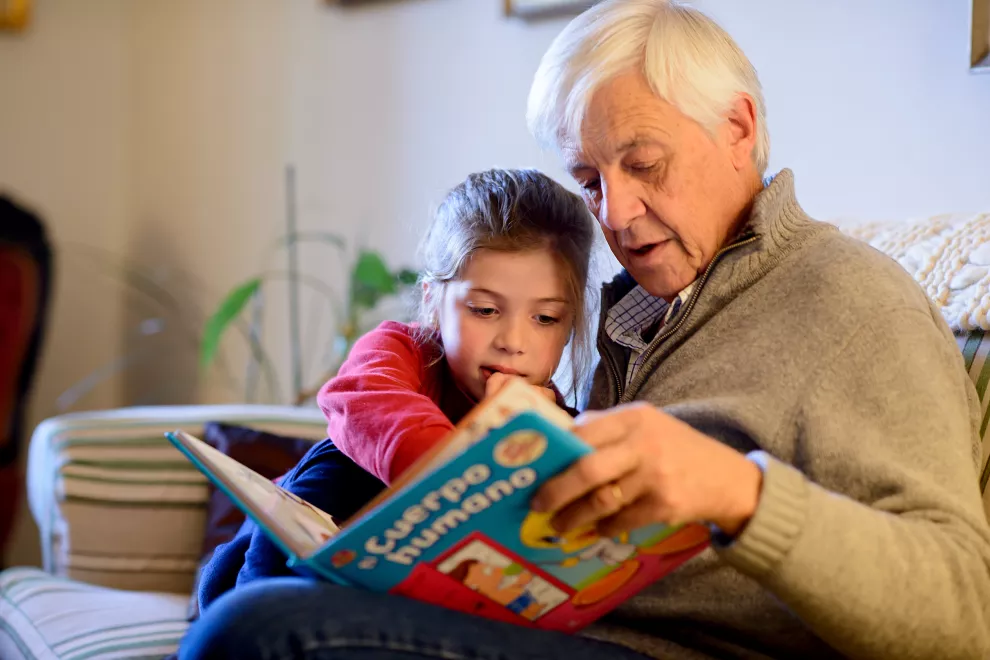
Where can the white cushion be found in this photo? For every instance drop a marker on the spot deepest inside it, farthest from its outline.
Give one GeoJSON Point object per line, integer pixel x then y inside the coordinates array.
{"type": "Point", "coordinates": [48, 618]}
{"type": "Point", "coordinates": [117, 505]}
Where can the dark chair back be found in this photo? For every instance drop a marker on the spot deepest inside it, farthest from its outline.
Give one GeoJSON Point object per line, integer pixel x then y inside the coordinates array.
{"type": "Point", "coordinates": [25, 276]}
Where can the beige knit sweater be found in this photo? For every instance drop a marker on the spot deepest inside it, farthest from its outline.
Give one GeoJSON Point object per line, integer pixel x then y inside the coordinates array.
{"type": "Point", "coordinates": [870, 539]}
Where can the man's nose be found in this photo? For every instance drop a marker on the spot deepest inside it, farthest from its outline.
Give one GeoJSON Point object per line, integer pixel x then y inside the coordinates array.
{"type": "Point", "coordinates": [620, 203]}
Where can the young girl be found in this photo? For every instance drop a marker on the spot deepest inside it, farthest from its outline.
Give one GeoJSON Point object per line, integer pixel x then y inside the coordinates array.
{"type": "Point", "coordinates": [503, 292]}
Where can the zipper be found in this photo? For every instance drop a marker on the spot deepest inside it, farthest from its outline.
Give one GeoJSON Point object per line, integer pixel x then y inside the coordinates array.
{"type": "Point", "coordinates": [746, 239]}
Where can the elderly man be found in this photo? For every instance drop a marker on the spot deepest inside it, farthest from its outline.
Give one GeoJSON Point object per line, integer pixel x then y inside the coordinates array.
{"type": "Point", "coordinates": [761, 372]}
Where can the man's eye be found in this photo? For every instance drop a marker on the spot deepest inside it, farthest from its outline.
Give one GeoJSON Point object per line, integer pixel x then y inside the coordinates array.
{"type": "Point", "coordinates": [642, 167]}
{"type": "Point", "coordinates": [591, 186]}
{"type": "Point", "coordinates": [484, 312]}
{"type": "Point", "coordinates": [544, 319]}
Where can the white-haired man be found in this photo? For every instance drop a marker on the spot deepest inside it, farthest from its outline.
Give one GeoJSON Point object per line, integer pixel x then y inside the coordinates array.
{"type": "Point", "coordinates": [759, 372]}
{"type": "Point", "coordinates": [796, 388]}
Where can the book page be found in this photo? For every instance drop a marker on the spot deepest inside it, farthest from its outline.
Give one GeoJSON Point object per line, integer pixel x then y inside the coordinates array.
{"type": "Point", "coordinates": [514, 398]}
{"type": "Point", "coordinates": [299, 525]}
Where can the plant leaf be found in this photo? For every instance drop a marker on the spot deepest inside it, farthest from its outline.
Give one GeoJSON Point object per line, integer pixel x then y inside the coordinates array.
{"type": "Point", "coordinates": [226, 312]}
{"type": "Point", "coordinates": [371, 272]}
{"type": "Point", "coordinates": [407, 277]}
{"type": "Point", "coordinates": [364, 297]}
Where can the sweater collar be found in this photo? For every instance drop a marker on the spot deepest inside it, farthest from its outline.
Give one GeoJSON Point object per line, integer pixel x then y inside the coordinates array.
{"type": "Point", "coordinates": [780, 223]}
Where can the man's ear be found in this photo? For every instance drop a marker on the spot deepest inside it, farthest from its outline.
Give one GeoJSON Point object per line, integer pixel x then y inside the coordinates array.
{"type": "Point", "coordinates": [742, 126]}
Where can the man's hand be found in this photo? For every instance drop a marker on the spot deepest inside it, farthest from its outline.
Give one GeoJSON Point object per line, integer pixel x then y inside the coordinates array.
{"type": "Point", "coordinates": [649, 467]}
{"type": "Point", "coordinates": [499, 380]}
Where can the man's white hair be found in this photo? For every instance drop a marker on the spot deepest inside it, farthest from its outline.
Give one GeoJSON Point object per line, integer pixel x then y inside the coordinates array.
{"type": "Point", "coordinates": [687, 58]}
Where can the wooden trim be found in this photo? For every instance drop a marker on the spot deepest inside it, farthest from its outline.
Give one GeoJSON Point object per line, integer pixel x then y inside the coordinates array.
{"type": "Point", "coordinates": [979, 50]}
{"type": "Point", "coordinates": [563, 8]}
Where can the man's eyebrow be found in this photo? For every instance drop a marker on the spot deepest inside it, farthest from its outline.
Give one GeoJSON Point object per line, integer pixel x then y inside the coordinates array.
{"type": "Point", "coordinates": [576, 166]}
{"type": "Point", "coordinates": [637, 141]}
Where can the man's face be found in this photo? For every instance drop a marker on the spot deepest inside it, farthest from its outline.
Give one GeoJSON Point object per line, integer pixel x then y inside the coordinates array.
{"type": "Point", "coordinates": [666, 194]}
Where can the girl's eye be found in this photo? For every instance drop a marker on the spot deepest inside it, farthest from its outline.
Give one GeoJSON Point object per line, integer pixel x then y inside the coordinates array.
{"type": "Point", "coordinates": [544, 319]}
{"type": "Point", "coordinates": [484, 312]}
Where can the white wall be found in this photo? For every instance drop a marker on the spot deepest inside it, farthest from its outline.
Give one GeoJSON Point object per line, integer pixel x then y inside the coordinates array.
{"type": "Point", "coordinates": [871, 103]}
{"type": "Point", "coordinates": [382, 107]}
{"type": "Point", "coordinates": [210, 120]}
{"type": "Point", "coordinates": [64, 147]}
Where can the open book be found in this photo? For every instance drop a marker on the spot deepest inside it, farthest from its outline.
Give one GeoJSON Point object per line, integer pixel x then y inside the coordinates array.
{"type": "Point", "coordinates": [456, 529]}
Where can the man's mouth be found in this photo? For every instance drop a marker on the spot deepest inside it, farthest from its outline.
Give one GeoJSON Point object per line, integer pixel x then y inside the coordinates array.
{"type": "Point", "coordinates": [645, 249]}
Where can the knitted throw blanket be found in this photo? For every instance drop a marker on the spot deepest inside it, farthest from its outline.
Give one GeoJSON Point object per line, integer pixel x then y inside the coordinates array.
{"type": "Point", "coordinates": [948, 255]}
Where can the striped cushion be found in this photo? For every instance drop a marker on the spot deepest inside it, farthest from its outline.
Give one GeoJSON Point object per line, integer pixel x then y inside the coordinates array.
{"type": "Point", "coordinates": [975, 347]}
{"type": "Point", "coordinates": [47, 618]}
{"type": "Point", "coordinates": [118, 506]}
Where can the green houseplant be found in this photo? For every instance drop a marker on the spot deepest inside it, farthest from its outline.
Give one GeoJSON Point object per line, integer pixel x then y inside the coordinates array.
{"type": "Point", "coordinates": [369, 282]}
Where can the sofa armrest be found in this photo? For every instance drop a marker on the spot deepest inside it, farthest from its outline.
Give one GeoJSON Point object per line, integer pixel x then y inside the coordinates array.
{"type": "Point", "coordinates": [117, 505]}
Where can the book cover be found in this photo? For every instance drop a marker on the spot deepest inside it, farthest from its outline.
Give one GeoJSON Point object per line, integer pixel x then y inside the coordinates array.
{"type": "Point", "coordinates": [459, 532]}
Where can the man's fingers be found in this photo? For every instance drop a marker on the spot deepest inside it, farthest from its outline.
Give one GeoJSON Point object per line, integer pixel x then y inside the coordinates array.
{"type": "Point", "coordinates": [604, 502]}
{"type": "Point", "coordinates": [605, 427]}
{"type": "Point", "coordinates": [604, 466]}
{"type": "Point", "coordinates": [637, 514]}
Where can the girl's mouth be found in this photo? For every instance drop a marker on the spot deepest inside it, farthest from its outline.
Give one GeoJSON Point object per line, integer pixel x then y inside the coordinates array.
{"type": "Point", "coordinates": [486, 372]}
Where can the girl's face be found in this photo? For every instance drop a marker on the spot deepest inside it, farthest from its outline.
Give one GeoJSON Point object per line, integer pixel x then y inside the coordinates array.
{"type": "Point", "coordinates": [507, 312]}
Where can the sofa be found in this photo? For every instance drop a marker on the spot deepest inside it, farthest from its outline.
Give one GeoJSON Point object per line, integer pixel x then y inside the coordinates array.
{"type": "Point", "coordinates": [122, 514]}
{"type": "Point", "coordinates": [122, 519]}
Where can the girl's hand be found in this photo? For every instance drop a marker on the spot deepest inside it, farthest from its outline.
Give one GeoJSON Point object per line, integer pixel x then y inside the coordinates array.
{"type": "Point", "coordinates": [499, 380]}
{"type": "Point", "coordinates": [650, 467]}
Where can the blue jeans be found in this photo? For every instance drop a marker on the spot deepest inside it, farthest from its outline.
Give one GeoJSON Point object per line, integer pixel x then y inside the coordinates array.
{"type": "Point", "coordinates": [282, 618]}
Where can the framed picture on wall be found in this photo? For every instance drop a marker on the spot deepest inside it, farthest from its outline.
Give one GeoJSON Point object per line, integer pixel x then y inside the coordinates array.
{"type": "Point", "coordinates": [540, 8]}
{"type": "Point", "coordinates": [14, 14]}
{"type": "Point", "coordinates": [979, 50]}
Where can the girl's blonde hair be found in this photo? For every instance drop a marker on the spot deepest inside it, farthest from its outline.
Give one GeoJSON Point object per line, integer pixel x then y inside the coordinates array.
{"type": "Point", "coordinates": [511, 211]}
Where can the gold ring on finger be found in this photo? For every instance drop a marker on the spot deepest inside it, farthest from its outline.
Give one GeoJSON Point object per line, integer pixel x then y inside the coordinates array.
{"type": "Point", "coordinates": [617, 495]}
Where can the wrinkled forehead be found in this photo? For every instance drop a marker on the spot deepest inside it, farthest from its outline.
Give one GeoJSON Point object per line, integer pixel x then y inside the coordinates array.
{"type": "Point", "coordinates": [622, 114]}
